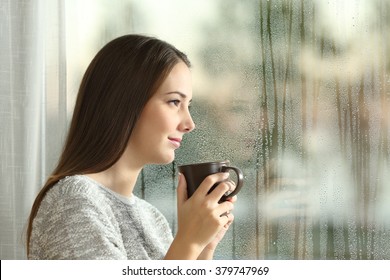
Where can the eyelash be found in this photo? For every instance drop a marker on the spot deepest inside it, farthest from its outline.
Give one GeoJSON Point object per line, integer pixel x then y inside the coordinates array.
{"type": "Point", "coordinates": [175, 102]}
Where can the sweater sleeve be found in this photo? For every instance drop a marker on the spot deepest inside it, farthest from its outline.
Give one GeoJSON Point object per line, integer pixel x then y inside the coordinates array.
{"type": "Point", "coordinates": [77, 227]}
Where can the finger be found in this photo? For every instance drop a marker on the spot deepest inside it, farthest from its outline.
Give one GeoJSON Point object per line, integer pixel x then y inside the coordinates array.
{"type": "Point", "coordinates": [225, 208]}
{"type": "Point", "coordinates": [225, 214]}
{"type": "Point", "coordinates": [232, 186]}
{"type": "Point", "coordinates": [230, 221]}
{"type": "Point", "coordinates": [181, 191]}
{"type": "Point", "coordinates": [210, 181]}
{"type": "Point", "coordinates": [227, 218]}
{"type": "Point", "coordinates": [219, 191]}
{"type": "Point", "coordinates": [232, 199]}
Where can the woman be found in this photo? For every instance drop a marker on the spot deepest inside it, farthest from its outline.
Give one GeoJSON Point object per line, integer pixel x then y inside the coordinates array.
{"type": "Point", "coordinates": [132, 109]}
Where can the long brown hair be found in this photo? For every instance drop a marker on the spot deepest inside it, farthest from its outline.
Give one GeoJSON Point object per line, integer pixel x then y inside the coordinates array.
{"type": "Point", "coordinates": [118, 83]}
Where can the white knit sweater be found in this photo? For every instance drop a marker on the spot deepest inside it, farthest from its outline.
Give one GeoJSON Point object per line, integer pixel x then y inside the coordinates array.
{"type": "Point", "coordinates": [81, 219]}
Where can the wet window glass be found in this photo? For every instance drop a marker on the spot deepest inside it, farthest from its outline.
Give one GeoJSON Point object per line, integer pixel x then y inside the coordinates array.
{"type": "Point", "coordinates": [297, 94]}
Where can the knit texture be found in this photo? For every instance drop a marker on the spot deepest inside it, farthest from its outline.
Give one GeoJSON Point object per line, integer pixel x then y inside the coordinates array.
{"type": "Point", "coordinates": [81, 219]}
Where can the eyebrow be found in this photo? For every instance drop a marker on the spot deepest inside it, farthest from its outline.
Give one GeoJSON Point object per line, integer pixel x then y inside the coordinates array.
{"type": "Point", "coordinates": [184, 96]}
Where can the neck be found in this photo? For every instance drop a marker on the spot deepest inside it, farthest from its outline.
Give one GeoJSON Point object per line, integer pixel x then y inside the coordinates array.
{"type": "Point", "coordinates": [120, 178]}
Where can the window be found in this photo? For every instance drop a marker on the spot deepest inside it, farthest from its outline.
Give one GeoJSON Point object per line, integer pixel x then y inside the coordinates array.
{"type": "Point", "coordinates": [297, 94]}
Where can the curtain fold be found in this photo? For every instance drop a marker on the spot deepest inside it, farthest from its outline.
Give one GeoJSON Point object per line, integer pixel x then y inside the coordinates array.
{"type": "Point", "coordinates": [33, 110]}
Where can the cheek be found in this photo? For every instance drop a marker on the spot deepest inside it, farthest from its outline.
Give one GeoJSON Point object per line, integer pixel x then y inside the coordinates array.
{"type": "Point", "coordinates": [143, 132]}
{"type": "Point", "coordinates": [155, 123]}
{"type": "Point", "coordinates": [164, 122]}
{"type": "Point", "coordinates": [157, 130]}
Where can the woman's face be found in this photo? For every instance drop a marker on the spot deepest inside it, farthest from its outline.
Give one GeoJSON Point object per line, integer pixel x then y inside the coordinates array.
{"type": "Point", "coordinates": [164, 120]}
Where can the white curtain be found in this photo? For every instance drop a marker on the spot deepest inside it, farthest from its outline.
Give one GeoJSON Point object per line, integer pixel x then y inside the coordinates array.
{"type": "Point", "coordinates": [32, 108]}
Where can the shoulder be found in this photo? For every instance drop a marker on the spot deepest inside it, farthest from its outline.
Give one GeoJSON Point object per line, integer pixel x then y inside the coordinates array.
{"type": "Point", "coordinates": [76, 213]}
{"type": "Point", "coordinates": [74, 197]}
{"type": "Point", "coordinates": [76, 185]}
{"type": "Point", "coordinates": [73, 190]}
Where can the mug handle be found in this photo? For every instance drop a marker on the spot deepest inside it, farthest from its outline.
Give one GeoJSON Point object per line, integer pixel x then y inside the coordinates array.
{"type": "Point", "coordinates": [240, 179]}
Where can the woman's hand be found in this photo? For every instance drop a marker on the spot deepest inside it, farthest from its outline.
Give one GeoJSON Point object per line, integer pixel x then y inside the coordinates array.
{"type": "Point", "coordinates": [202, 221]}
{"type": "Point", "coordinates": [208, 251]}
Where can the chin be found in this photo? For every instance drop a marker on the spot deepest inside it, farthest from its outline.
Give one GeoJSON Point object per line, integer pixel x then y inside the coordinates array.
{"type": "Point", "coordinates": [165, 159]}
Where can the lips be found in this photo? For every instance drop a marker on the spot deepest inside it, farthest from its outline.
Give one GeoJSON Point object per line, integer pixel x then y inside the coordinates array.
{"type": "Point", "coordinates": [175, 141]}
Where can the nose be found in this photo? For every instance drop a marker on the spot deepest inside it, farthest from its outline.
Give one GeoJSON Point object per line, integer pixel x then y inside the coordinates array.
{"type": "Point", "coordinates": [187, 125]}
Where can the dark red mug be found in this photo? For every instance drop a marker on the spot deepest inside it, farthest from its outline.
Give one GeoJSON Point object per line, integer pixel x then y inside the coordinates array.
{"type": "Point", "coordinates": [197, 172]}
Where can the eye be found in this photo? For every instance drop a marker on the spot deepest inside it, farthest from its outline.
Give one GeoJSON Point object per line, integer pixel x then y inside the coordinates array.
{"type": "Point", "coordinates": [175, 102]}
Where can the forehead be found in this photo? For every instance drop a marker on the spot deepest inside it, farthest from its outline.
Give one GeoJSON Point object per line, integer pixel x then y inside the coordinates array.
{"type": "Point", "coordinates": [179, 79]}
